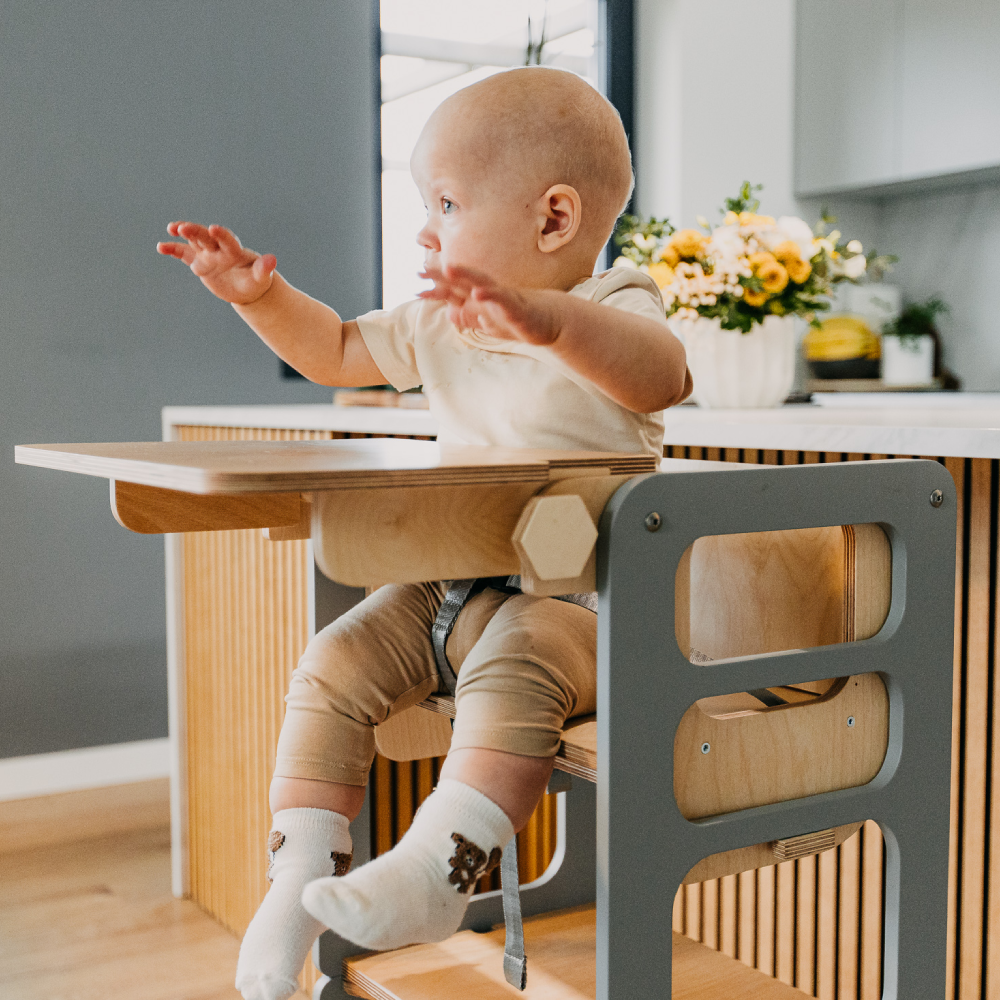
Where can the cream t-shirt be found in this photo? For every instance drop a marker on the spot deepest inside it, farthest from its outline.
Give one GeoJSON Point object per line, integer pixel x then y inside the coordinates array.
{"type": "Point", "coordinates": [485, 391]}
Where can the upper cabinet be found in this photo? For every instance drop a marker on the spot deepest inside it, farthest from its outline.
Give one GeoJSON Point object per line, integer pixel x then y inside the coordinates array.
{"type": "Point", "coordinates": [891, 91]}
{"type": "Point", "coordinates": [949, 108]}
{"type": "Point", "coordinates": [845, 72]}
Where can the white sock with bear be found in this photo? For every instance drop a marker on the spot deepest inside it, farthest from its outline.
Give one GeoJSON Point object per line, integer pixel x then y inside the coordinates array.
{"type": "Point", "coordinates": [304, 844]}
{"type": "Point", "coordinates": [418, 891]}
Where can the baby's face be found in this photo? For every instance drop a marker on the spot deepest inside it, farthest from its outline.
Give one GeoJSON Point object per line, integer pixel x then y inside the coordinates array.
{"type": "Point", "coordinates": [477, 216]}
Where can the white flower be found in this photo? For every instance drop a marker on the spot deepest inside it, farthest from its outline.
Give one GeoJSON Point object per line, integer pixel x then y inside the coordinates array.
{"type": "Point", "coordinates": [792, 228]}
{"type": "Point", "coordinates": [855, 266]}
{"type": "Point", "coordinates": [854, 246]}
{"type": "Point", "coordinates": [644, 242]}
{"type": "Point", "coordinates": [726, 241]}
{"type": "Point", "coordinates": [625, 262]}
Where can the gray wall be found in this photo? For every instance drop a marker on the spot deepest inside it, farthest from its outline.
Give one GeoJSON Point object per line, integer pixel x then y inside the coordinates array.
{"type": "Point", "coordinates": [116, 118]}
{"type": "Point", "coordinates": [948, 242]}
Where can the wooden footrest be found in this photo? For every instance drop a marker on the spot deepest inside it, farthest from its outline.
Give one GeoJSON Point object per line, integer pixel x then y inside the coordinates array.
{"type": "Point", "coordinates": [561, 966]}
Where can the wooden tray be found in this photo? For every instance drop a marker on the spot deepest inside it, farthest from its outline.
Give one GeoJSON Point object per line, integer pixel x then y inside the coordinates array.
{"type": "Point", "coordinates": [292, 466]}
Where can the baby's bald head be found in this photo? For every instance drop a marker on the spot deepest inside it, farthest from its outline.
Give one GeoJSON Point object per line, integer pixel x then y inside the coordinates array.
{"type": "Point", "coordinates": [531, 128]}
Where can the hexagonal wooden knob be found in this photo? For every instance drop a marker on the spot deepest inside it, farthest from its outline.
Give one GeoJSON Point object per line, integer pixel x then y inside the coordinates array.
{"type": "Point", "coordinates": [555, 536]}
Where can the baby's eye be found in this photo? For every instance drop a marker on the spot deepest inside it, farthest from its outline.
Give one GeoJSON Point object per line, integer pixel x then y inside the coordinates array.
{"type": "Point", "coordinates": [447, 206]}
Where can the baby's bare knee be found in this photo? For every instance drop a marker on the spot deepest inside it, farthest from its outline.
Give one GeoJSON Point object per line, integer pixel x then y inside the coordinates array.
{"type": "Point", "coordinates": [307, 793]}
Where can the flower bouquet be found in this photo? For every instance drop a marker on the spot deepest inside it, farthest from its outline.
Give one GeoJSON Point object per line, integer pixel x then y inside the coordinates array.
{"type": "Point", "coordinates": [746, 277]}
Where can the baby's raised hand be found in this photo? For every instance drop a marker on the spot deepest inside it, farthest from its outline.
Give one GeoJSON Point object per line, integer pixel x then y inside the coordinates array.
{"type": "Point", "coordinates": [226, 268]}
{"type": "Point", "coordinates": [476, 302]}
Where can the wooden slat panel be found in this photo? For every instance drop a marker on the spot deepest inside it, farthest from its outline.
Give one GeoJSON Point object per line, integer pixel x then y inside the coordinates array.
{"type": "Point", "coordinates": [848, 910]}
{"type": "Point", "coordinates": [729, 915]}
{"type": "Point", "coordinates": [872, 915]}
{"type": "Point", "coordinates": [975, 725]}
{"type": "Point", "coordinates": [766, 878]}
{"type": "Point", "coordinates": [784, 929]}
{"type": "Point", "coordinates": [826, 925]}
{"type": "Point", "coordinates": [246, 613]}
{"type": "Point", "coordinates": [805, 925]}
{"type": "Point", "coordinates": [710, 914]}
{"type": "Point", "coordinates": [692, 911]}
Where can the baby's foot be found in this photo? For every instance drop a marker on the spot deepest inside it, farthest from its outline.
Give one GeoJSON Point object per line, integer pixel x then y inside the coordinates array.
{"type": "Point", "coordinates": [304, 844]}
{"type": "Point", "coordinates": [418, 891]}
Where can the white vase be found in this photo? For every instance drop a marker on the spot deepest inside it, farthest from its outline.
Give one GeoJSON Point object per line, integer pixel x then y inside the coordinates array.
{"type": "Point", "coordinates": [907, 362]}
{"type": "Point", "coordinates": [734, 370]}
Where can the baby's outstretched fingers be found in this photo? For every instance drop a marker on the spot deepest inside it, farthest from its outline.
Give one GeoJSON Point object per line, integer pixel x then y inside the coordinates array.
{"type": "Point", "coordinates": [264, 265]}
{"type": "Point", "coordinates": [225, 239]}
{"type": "Point", "coordinates": [467, 277]}
{"type": "Point", "coordinates": [182, 251]}
{"type": "Point", "coordinates": [444, 290]}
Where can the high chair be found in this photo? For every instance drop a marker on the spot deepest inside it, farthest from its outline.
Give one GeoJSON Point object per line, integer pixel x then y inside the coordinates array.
{"type": "Point", "coordinates": [719, 745]}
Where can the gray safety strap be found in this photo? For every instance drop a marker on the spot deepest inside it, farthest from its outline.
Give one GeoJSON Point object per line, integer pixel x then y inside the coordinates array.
{"type": "Point", "coordinates": [454, 600]}
{"type": "Point", "coordinates": [515, 965]}
{"type": "Point", "coordinates": [770, 699]}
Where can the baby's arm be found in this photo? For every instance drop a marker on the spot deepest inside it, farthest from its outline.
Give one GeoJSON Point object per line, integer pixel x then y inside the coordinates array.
{"type": "Point", "coordinates": [633, 359]}
{"type": "Point", "coordinates": [307, 334]}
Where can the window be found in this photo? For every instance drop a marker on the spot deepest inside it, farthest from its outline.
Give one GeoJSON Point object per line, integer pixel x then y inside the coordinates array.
{"type": "Point", "coordinates": [432, 48]}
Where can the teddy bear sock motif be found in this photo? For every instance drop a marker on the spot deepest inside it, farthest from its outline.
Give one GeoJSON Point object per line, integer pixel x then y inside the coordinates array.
{"type": "Point", "coordinates": [418, 891]}
{"type": "Point", "coordinates": [304, 844]}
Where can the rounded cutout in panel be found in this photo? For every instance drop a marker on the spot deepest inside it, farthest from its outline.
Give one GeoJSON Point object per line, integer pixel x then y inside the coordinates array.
{"type": "Point", "coordinates": [772, 852]}
{"type": "Point", "coordinates": [746, 594]}
{"type": "Point", "coordinates": [776, 753]}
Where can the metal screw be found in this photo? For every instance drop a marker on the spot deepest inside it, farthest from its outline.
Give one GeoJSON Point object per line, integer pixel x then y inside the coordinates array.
{"type": "Point", "coordinates": [850, 720]}
{"type": "Point", "coordinates": [653, 521]}
{"type": "Point", "coordinates": [937, 498]}
{"type": "Point", "coordinates": [705, 747]}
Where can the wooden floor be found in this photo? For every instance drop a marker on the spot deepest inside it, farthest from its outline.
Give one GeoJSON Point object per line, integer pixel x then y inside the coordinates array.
{"type": "Point", "coordinates": [91, 917]}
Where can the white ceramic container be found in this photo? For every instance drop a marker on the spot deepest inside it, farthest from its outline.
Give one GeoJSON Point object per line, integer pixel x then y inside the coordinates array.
{"type": "Point", "coordinates": [734, 370]}
{"type": "Point", "coordinates": [907, 362]}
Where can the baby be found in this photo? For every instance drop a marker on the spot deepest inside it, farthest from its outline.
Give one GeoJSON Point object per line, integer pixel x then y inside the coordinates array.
{"type": "Point", "coordinates": [517, 344]}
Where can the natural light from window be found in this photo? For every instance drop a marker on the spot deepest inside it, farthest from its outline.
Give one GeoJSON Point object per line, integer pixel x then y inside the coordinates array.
{"type": "Point", "coordinates": [432, 48]}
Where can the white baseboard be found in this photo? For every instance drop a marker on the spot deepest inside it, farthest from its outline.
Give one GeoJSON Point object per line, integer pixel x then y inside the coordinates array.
{"type": "Point", "coordinates": [91, 767]}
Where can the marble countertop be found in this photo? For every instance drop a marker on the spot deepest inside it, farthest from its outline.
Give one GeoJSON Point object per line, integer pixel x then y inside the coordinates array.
{"type": "Point", "coordinates": [932, 424]}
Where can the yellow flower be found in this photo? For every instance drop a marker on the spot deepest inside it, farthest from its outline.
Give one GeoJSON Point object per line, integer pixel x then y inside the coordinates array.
{"type": "Point", "coordinates": [662, 273]}
{"type": "Point", "coordinates": [752, 219]}
{"type": "Point", "coordinates": [787, 252]}
{"type": "Point", "coordinates": [799, 270]}
{"type": "Point", "coordinates": [670, 256]}
{"type": "Point", "coordinates": [761, 259]}
{"type": "Point", "coordinates": [688, 242]}
{"type": "Point", "coordinates": [754, 298]}
{"type": "Point", "coordinates": [774, 276]}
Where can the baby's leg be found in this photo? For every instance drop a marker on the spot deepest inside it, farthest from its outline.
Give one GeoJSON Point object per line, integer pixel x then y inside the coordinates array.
{"type": "Point", "coordinates": [533, 666]}
{"type": "Point", "coordinates": [373, 661]}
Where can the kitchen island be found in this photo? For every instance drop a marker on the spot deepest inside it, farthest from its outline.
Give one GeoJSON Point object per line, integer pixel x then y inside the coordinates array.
{"type": "Point", "coordinates": [241, 610]}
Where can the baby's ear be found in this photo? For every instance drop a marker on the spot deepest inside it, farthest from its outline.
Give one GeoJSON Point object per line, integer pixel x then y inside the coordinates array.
{"type": "Point", "coordinates": [560, 215]}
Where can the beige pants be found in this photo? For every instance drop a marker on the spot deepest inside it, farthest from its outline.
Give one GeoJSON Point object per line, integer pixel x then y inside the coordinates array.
{"type": "Point", "coordinates": [525, 665]}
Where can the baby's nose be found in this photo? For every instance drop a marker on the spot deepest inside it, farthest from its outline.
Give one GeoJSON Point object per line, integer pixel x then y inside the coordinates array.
{"type": "Point", "coordinates": [427, 240]}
